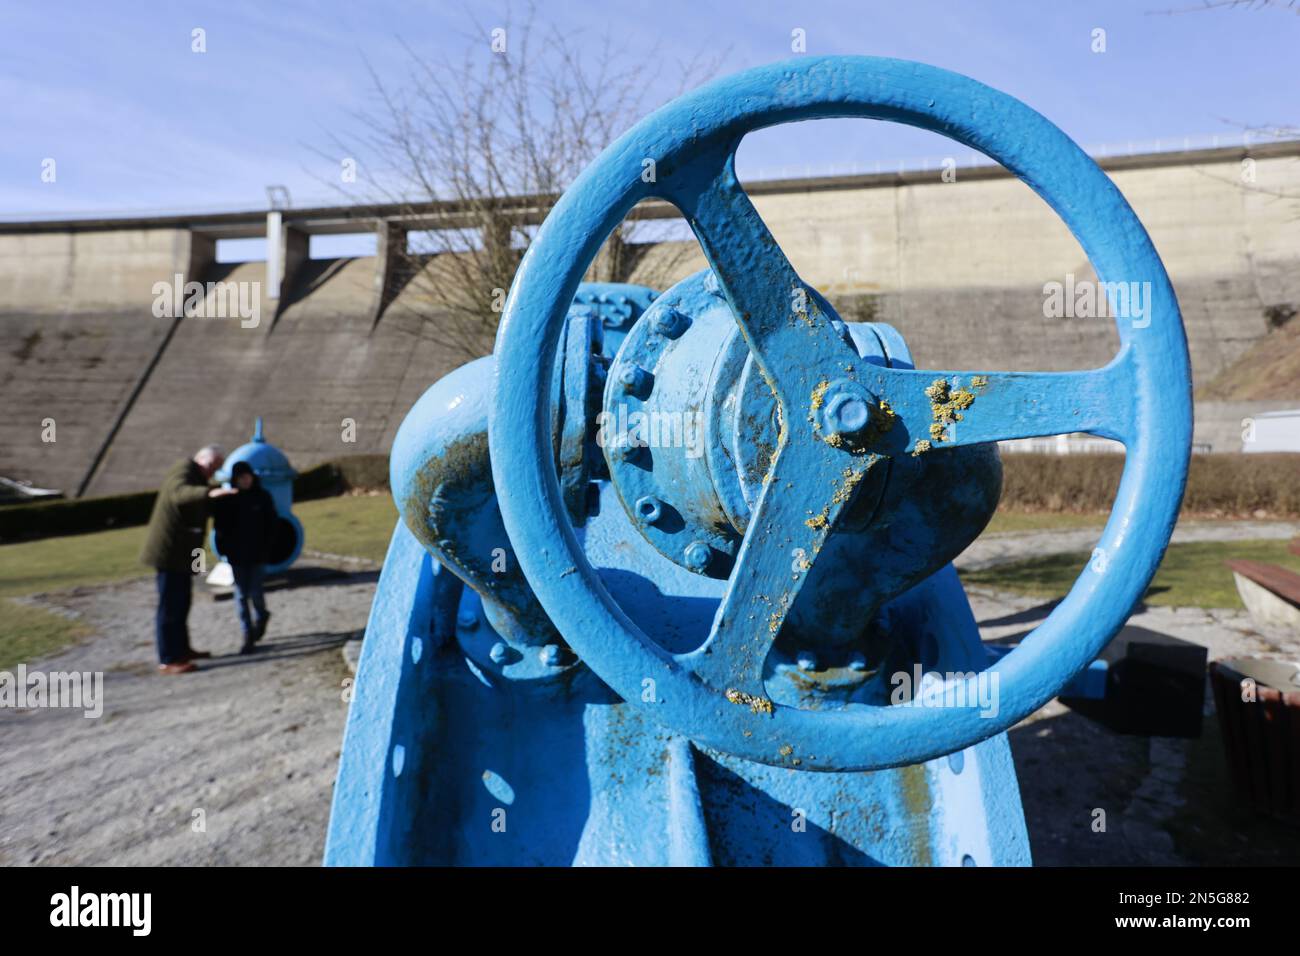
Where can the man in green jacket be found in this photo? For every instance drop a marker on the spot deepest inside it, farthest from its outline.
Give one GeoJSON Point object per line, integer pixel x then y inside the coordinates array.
{"type": "Point", "coordinates": [172, 547]}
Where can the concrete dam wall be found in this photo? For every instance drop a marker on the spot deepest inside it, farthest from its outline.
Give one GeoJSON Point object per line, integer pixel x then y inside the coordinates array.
{"type": "Point", "coordinates": [959, 267]}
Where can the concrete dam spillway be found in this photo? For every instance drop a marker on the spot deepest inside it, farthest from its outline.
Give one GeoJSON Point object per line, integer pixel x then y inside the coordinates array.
{"type": "Point", "coordinates": [961, 268]}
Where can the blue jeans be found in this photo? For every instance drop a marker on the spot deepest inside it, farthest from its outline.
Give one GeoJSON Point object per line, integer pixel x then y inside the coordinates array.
{"type": "Point", "coordinates": [248, 590]}
{"type": "Point", "coordinates": [171, 634]}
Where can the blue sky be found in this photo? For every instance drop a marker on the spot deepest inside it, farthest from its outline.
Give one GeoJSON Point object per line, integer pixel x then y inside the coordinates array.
{"type": "Point", "coordinates": [136, 121]}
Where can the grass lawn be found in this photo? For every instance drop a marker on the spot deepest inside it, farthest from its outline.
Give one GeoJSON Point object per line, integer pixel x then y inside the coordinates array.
{"type": "Point", "coordinates": [361, 526]}
{"type": "Point", "coordinates": [1191, 575]}
{"type": "Point", "coordinates": [357, 526]}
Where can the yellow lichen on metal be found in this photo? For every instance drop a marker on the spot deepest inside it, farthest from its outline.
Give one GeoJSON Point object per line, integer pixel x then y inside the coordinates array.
{"type": "Point", "coordinates": [881, 421]}
{"type": "Point", "coordinates": [946, 406]}
{"type": "Point", "coordinates": [819, 394]}
{"type": "Point", "coordinates": [845, 491]}
{"type": "Point", "coordinates": [759, 705]}
{"type": "Point", "coordinates": [921, 448]}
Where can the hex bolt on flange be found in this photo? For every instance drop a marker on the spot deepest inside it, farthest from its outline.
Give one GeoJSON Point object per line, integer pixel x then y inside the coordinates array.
{"type": "Point", "coordinates": [671, 323]}
{"type": "Point", "coordinates": [626, 449]}
{"type": "Point", "coordinates": [467, 619]}
{"type": "Point", "coordinates": [806, 660]}
{"type": "Point", "coordinates": [649, 509]}
{"type": "Point", "coordinates": [634, 379]}
{"type": "Point", "coordinates": [848, 414]}
{"type": "Point", "coordinates": [552, 655]}
{"type": "Point", "coordinates": [697, 556]}
{"type": "Point", "coordinates": [499, 652]}
{"type": "Point", "coordinates": [845, 411]}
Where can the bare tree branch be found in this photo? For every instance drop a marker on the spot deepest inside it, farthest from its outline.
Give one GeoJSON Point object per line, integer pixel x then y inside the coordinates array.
{"type": "Point", "coordinates": [498, 124]}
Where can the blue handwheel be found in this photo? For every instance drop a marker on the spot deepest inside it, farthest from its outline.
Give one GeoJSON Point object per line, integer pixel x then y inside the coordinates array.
{"type": "Point", "coordinates": [716, 695]}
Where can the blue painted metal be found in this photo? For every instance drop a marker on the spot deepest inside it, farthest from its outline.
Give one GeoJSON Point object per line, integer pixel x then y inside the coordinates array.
{"type": "Point", "coordinates": [1142, 398]}
{"type": "Point", "coordinates": [272, 467]}
{"type": "Point", "coordinates": [1089, 683]}
{"type": "Point", "coordinates": [594, 645]}
{"type": "Point", "coordinates": [616, 304]}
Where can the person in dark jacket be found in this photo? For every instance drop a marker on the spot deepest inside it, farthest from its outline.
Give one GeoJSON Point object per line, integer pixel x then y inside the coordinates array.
{"type": "Point", "coordinates": [245, 526]}
{"type": "Point", "coordinates": [173, 547]}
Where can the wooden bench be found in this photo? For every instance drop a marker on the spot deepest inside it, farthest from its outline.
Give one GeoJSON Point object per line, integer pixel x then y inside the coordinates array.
{"type": "Point", "coordinates": [1271, 593]}
{"type": "Point", "coordinates": [1285, 584]}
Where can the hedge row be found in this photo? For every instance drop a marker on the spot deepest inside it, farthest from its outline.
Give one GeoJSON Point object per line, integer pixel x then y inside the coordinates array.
{"type": "Point", "coordinates": [1232, 485]}
{"type": "Point", "coordinates": [340, 475]}
{"type": "Point", "coordinates": [48, 519]}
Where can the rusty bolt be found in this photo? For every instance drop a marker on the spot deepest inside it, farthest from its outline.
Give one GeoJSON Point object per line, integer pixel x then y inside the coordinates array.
{"type": "Point", "coordinates": [697, 555]}
{"type": "Point", "coordinates": [634, 379]}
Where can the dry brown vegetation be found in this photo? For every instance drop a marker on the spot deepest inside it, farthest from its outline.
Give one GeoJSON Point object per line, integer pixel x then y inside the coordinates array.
{"type": "Point", "coordinates": [1222, 486]}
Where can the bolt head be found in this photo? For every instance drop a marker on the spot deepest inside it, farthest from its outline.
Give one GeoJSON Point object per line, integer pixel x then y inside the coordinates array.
{"type": "Point", "coordinates": [499, 652]}
{"type": "Point", "coordinates": [697, 556]}
{"type": "Point", "coordinates": [552, 655]}
{"type": "Point", "coordinates": [633, 378]}
{"type": "Point", "coordinates": [649, 509]}
{"type": "Point", "coordinates": [806, 660]}
{"type": "Point", "coordinates": [857, 661]}
{"type": "Point", "coordinates": [848, 414]}
{"type": "Point", "coordinates": [627, 449]}
{"type": "Point", "coordinates": [847, 409]}
{"type": "Point", "coordinates": [467, 619]}
{"type": "Point", "coordinates": [957, 761]}
{"type": "Point", "coordinates": [671, 323]}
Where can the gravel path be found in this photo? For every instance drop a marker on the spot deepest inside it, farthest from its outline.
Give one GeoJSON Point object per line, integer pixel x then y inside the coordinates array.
{"type": "Point", "coordinates": [252, 742]}
{"type": "Point", "coordinates": [1167, 801]}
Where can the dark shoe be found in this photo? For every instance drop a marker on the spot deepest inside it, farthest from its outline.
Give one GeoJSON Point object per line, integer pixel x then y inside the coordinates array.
{"type": "Point", "coordinates": [184, 667]}
{"type": "Point", "coordinates": [249, 645]}
{"type": "Point", "coordinates": [259, 629]}
{"type": "Point", "coordinates": [193, 655]}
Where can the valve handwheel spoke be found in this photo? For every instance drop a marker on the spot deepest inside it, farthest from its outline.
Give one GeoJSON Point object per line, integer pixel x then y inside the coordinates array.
{"type": "Point", "coordinates": [805, 492]}
{"type": "Point", "coordinates": [950, 409]}
{"type": "Point", "coordinates": [837, 414]}
{"type": "Point", "coordinates": [784, 328]}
